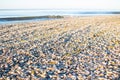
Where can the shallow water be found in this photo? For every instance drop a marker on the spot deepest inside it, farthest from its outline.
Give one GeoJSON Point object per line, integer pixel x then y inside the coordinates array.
{"type": "Point", "coordinates": [21, 21]}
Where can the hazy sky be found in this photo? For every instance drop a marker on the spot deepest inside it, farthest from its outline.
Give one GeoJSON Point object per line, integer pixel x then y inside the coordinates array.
{"type": "Point", "coordinates": [61, 4]}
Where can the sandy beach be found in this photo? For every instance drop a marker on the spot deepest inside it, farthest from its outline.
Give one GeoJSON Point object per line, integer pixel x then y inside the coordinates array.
{"type": "Point", "coordinates": [70, 48]}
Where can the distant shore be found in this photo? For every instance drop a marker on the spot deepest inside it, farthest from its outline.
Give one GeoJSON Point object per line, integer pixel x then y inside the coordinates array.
{"type": "Point", "coordinates": [27, 19]}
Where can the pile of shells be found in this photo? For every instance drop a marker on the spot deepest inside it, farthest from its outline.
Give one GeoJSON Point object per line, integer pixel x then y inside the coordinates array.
{"type": "Point", "coordinates": [36, 51]}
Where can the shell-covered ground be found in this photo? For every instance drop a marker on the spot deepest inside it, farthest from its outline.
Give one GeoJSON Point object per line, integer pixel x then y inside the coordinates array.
{"type": "Point", "coordinates": [72, 48]}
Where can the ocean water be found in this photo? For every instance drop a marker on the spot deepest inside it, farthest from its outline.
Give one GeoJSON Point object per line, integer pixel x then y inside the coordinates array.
{"type": "Point", "coordinates": [7, 13]}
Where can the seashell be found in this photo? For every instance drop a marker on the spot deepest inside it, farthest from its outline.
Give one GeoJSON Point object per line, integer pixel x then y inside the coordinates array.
{"type": "Point", "coordinates": [111, 47]}
{"type": "Point", "coordinates": [52, 62]}
{"type": "Point", "coordinates": [113, 63]}
{"type": "Point", "coordinates": [115, 67]}
{"type": "Point", "coordinates": [80, 77]}
{"type": "Point", "coordinates": [101, 74]}
{"type": "Point", "coordinates": [32, 72]}
{"type": "Point", "coordinates": [50, 69]}
{"type": "Point", "coordinates": [87, 72]}
{"type": "Point", "coordinates": [109, 73]}
{"type": "Point", "coordinates": [100, 78]}
{"type": "Point", "coordinates": [43, 75]}
{"type": "Point", "coordinates": [54, 76]}
{"type": "Point", "coordinates": [42, 55]}
{"type": "Point", "coordinates": [67, 54]}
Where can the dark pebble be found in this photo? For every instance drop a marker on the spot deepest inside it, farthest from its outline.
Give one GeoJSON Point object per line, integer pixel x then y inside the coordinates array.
{"type": "Point", "coordinates": [1, 51]}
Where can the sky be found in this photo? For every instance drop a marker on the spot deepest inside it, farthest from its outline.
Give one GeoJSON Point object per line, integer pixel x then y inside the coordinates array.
{"type": "Point", "coordinates": [61, 4]}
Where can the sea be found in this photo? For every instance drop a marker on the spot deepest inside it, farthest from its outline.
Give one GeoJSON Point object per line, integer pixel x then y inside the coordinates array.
{"type": "Point", "coordinates": [17, 13]}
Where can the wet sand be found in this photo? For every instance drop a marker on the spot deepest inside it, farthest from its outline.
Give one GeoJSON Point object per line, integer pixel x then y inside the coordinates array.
{"type": "Point", "coordinates": [71, 48]}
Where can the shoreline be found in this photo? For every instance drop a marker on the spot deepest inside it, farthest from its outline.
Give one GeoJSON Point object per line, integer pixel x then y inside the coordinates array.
{"type": "Point", "coordinates": [32, 19]}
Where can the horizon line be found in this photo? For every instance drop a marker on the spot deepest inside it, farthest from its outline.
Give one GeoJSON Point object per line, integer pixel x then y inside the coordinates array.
{"type": "Point", "coordinates": [59, 9]}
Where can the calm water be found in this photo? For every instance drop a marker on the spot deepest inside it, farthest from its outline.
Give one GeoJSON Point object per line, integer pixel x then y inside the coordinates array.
{"type": "Point", "coordinates": [23, 13]}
